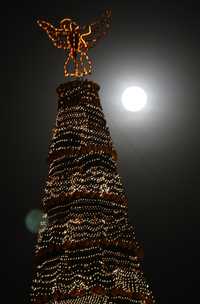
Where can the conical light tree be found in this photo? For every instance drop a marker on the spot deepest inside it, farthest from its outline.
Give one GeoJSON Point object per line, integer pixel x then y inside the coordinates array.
{"type": "Point", "coordinates": [86, 250]}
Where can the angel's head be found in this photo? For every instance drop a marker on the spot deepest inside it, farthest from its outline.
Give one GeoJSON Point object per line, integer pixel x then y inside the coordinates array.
{"type": "Point", "coordinates": [68, 25]}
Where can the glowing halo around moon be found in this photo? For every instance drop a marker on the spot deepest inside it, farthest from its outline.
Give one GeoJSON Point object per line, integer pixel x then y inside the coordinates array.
{"type": "Point", "coordinates": [134, 99]}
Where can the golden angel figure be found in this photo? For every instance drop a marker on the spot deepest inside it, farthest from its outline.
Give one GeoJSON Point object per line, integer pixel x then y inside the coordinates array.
{"type": "Point", "coordinates": [77, 40]}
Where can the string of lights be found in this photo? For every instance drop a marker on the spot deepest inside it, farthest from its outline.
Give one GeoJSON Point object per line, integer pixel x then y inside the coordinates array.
{"type": "Point", "coordinates": [86, 250]}
{"type": "Point", "coordinates": [76, 40]}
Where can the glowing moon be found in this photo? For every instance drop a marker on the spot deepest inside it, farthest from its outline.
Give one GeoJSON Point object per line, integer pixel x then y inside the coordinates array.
{"type": "Point", "coordinates": [134, 99]}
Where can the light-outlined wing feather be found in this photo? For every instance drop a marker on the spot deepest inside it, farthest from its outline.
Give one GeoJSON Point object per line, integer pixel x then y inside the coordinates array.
{"type": "Point", "coordinates": [58, 36]}
{"type": "Point", "coordinates": [98, 29]}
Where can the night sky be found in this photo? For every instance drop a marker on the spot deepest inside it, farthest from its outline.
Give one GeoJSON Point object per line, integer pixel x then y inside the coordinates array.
{"type": "Point", "coordinates": [152, 44]}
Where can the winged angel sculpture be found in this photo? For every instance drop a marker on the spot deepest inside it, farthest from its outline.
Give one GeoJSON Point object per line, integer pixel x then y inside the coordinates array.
{"type": "Point", "coordinates": [77, 40]}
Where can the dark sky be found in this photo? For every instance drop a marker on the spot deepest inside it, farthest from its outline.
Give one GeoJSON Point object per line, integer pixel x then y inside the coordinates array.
{"type": "Point", "coordinates": [154, 44]}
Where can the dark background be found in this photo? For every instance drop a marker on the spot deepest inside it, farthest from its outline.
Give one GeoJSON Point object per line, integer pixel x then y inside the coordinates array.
{"type": "Point", "coordinates": [154, 44]}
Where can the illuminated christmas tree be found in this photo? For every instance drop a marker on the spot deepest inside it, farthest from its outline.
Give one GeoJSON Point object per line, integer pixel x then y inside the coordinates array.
{"type": "Point", "coordinates": [86, 250]}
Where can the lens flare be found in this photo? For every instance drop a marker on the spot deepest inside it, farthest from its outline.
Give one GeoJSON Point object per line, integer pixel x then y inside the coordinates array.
{"type": "Point", "coordinates": [33, 219]}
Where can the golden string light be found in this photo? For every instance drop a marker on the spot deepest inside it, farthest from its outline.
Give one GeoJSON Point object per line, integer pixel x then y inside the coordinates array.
{"type": "Point", "coordinates": [77, 40]}
{"type": "Point", "coordinates": [86, 251]}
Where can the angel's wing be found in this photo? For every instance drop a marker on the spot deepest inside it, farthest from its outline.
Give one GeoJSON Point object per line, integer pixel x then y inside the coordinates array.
{"type": "Point", "coordinates": [94, 31]}
{"type": "Point", "coordinates": [58, 36]}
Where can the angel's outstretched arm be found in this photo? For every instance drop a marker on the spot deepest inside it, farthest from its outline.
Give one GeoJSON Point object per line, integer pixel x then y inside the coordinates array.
{"type": "Point", "coordinates": [85, 34]}
{"type": "Point", "coordinates": [88, 33]}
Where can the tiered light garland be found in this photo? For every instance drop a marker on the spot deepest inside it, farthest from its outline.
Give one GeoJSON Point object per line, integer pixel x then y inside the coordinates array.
{"type": "Point", "coordinates": [86, 251]}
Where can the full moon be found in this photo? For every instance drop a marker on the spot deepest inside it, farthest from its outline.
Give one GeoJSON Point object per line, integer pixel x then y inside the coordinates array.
{"type": "Point", "coordinates": [134, 99]}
